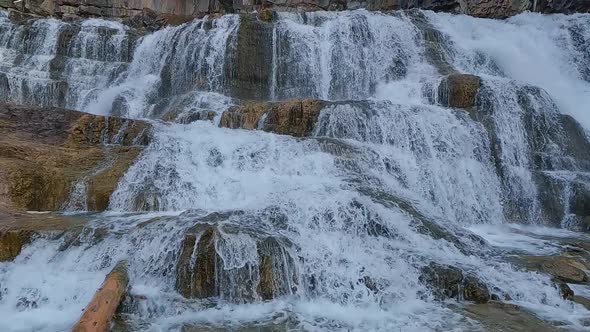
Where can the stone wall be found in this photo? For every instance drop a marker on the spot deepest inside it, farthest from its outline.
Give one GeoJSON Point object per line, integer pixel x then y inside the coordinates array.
{"type": "Point", "coordinates": [122, 9]}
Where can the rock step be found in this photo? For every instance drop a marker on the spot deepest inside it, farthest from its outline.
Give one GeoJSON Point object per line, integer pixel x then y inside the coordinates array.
{"type": "Point", "coordinates": [120, 9]}
{"type": "Point", "coordinates": [201, 273]}
{"type": "Point", "coordinates": [45, 151]}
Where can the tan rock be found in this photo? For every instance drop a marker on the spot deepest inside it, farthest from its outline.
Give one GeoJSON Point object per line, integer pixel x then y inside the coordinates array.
{"type": "Point", "coordinates": [497, 316]}
{"type": "Point", "coordinates": [565, 269]}
{"type": "Point", "coordinates": [459, 90]}
{"type": "Point", "coordinates": [101, 309]}
{"type": "Point", "coordinates": [44, 151]}
{"type": "Point", "coordinates": [582, 300]}
{"type": "Point", "coordinates": [197, 281]}
{"type": "Point", "coordinates": [295, 117]}
{"type": "Point", "coordinates": [265, 15]}
{"type": "Point", "coordinates": [200, 272]}
{"type": "Point", "coordinates": [12, 242]}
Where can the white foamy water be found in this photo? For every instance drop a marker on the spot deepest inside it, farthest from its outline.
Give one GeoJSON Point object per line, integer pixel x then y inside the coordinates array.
{"type": "Point", "coordinates": [381, 189]}
{"type": "Point", "coordinates": [548, 51]}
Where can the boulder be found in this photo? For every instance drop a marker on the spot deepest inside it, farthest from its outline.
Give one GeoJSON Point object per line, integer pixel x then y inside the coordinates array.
{"type": "Point", "coordinates": [294, 117]}
{"type": "Point", "coordinates": [201, 271]}
{"type": "Point", "coordinates": [495, 9]}
{"type": "Point", "coordinates": [100, 311]}
{"type": "Point", "coordinates": [450, 282]}
{"type": "Point", "coordinates": [44, 152]}
{"type": "Point", "coordinates": [566, 292]}
{"type": "Point", "coordinates": [563, 269]}
{"type": "Point", "coordinates": [459, 90]}
{"type": "Point", "coordinates": [12, 242]}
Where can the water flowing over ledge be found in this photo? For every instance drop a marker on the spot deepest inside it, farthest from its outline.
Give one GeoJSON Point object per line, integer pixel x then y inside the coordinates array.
{"type": "Point", "coordinates": [405, 165]}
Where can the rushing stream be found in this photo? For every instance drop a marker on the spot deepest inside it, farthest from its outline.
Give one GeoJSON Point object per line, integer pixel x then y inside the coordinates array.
{"type": "Point", "coordinates": [347, 206]}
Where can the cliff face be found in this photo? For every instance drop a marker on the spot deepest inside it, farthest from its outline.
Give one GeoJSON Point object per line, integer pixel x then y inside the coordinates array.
{"type": "Point", "coordinates": [169, 11]}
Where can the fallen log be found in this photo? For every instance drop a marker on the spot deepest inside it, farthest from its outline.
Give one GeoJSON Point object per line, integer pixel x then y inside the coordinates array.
{"type": "Point", "coordinates": [99, 312]}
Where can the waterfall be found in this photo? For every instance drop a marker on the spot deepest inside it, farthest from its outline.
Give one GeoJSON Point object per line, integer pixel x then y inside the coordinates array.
{"type": "Point", "coordinates": [389, 181]}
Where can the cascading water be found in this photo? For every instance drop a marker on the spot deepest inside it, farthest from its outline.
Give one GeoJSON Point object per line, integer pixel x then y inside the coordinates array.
{"type": "Point", "coordinates": [389, 181]}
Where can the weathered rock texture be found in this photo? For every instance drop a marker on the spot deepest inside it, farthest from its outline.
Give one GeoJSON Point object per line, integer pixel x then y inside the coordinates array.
{"type": "Point", "coordinates": [497, 316]}
{"type": "Point", "coordinates": [564, 269]}
{"type": "Point", "coordinates": [459, 90]}
{"type": "Point", "coordinates": [451, 282]}
{"type": "Point", "coordinates": [45, 151]}
{"type": "Point", "coordinates": [122, 9]}
{"type": "Point", "coordinates": [11, 243]}
{"type": "Point", "coordinates": [295, 117]}
{"type": "Point", "coordinates": [17, 229]}
{"type": "Point", "coordinates": [102, 307]}
{"type": "Point", "coordinates": [200, 271]}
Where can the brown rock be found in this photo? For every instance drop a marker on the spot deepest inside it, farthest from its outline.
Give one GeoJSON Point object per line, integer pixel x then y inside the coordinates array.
{"type": "Point", "coordinates": [450, 282]}
{"type": "Point", "coordinates": [265, 15]}
{"type": "Point", "coordinates": [44, 151]}
{"type": "Point", "coordinates": [564, 269]}
{"type": "Point", "coordinates": [197, 281]}
{"type": "Point", "coordinates": [12, 242]}
{"type": "Point", "coordinates": [295, 117]}
{"type": "Point", "coordinates": [495, 9]}
{"type": "Point", "coordinates": [566, 292]}
{"type": "Point", "coordinates": [200, 272]}
{"type": "Point", "coordinates": [102, 184]}
{"type": "Point", "coordinates": [582, 300]}
{"type": "Point", "coordinates": [459, 90]}
{"type": "Point", "coordinates": [248, 70]}
{"type": "Point", "coordinates": [101, 309]}
{"type": "Point", "coordinates": [497, 316]}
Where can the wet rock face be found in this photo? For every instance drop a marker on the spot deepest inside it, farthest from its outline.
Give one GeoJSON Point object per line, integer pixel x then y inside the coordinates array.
{"type": "Point", "coordinates": [563, 269]}
{"type": "Point", "coordinates": [44, 151]}
{"type": "Point", "coordinates": [249, 65]}
{"type": "Point", "coordinates": [497, 316]}
{"type": "Point", "coordinates": [562, 6]}
{"type": "Point", "coordinates": [181, 8]}
{"type": "Point", "coordinates": [459, 90]}
{"type": "Point", "coordinates": [12, 242]}
{"type": "Point", "coordinates": [202, 270]}
{"type": "Point", "coordinates": [296, 117]}
{"type": "Point", "coordinates": [450, 282]}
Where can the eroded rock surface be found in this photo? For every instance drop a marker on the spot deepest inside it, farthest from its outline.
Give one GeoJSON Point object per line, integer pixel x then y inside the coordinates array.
{"type": "Point", "coordinates": [564, 269]}
{"type": "Point", "coordinates": [451, 282]}
{"type": "Point", "coordinates": [497, 316]}
{"type": "Point", "coordinates": [44, 152]}
{"type": "Point", "coordinates": [459, 90]}
{"type": "Point", "coordinates": [204, 269]}
{"type": "Point", "coordinates": [124, 8]}
{"type": "Point", "coordinates": [294, 117]}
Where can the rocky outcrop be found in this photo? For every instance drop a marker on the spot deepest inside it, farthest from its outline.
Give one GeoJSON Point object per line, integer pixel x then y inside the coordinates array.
{"type": "Point", "coordinates": [12, 242]}
{"type": "Point", "coordinates": [44, 152]}
{"type": "Point", "coordinates": [459, 90]}
{"type": "Point", "coordinates": [450, 282]}
{"type": "Point", "coordinates": [248, 68]}
{"type": "Point", "coordinates": [563, 269]}
{"type": "Point", "coordinates": [295, 117]}
{"type": "Point", "coordinates": [201, 271]}
{"type": "Point", "coordinates": [497, 316]}
{"type": "Point", "coordinates": [121, 9]}
{"type": "Point", "coordinates": [101, 309]}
